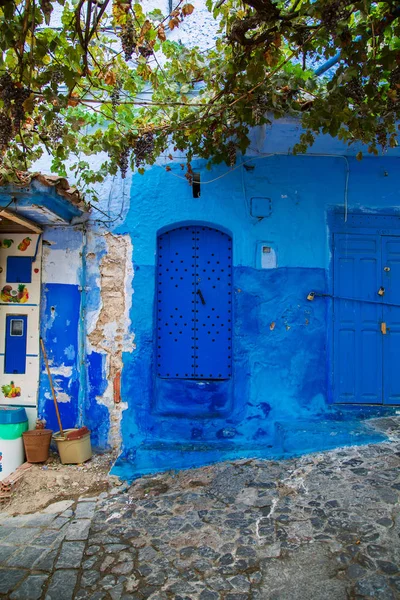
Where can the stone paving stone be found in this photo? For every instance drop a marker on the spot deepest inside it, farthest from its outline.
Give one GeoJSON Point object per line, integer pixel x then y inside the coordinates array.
{"type": "Point", "coordinates": [19, 521]}
{"type": "Point", "coordinates": [90, 499]}
{"type": "Point", "coordinates": [23, 535]}
{"type": "Point", "coordinates": [30, 589]}
{"type": "Point", "coordinates": [5, 553]}
{"type": "Point", "coordinates": [41, 520]}
{"type": "Point", "coordinates": [62, 585]}
{"type": "Point", "coordinates": [78, 529]}
{"type": "Point", "coordinates": [59, 522]}
{"type": "Point", "coordinates": [48, 537]}
{"type": "Point", "coordinates": [46, 561]}
{"type": "Point", "coordinates": [25, 558]}
{"type": "Point", "coordinates": [85, 510]}
{"type": "Point", "coordinates": [58, 507]}
{"type": "Point", "coordinates": [5, 532]}
{"type": "Point", "coordinates": [9, 578]}
{"type": "Point", "coordinates": [89, 578]}
{"type": "Point", "coordinates": [70, 555]}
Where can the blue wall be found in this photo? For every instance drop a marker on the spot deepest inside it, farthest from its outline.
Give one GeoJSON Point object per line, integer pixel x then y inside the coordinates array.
{"type": "Point", "coordinates": [280, 347]}
{"type": "Point", "coordinates": [281, 369]}
{"type": "Point", "coordinates": [60, 326]}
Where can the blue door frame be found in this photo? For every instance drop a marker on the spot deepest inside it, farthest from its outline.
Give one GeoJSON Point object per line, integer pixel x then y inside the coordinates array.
{"type": "Point", "coordinates": [365, 253]}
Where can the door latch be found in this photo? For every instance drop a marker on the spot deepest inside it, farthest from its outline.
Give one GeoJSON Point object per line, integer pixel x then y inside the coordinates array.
{"type": "Point", "coordinates": [383, 328]}
{"type": "Point", "coordinates": [381, 291]}
{"type": "Point", "coordinates": [201, 296]}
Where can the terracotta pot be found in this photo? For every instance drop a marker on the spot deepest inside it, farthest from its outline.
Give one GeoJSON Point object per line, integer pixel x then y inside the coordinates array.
{"type": "Point", "coordinates": [37, 444]}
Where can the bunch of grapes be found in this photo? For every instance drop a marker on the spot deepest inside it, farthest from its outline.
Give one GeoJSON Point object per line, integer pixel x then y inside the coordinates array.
{"type": "Point", "coordinates": [145, 50]}
{"type": "Point", "coordinates": [6, 131]}
{"type": "Point", "coordinates": [7, 90]}
{"type": "Point", "coordinates": [17, 108]}
{"type": "Point", "coordinates": [395, 77]}
{"type": "Point", "coordinates": [57, 75]}
{"type": "Point", "coordinates": [128, 38]}
{"type": "Point", "coordinates": [345, 36]}
{"type": "Point", "coordinates": [381, 137]}
{"type": "Point", "coordinates": [123, 161]}
{"type": "Point", "coordinates": [115, 95]}
{"type": "Point", "coordinates": [13, 97]}
{"type": "Point", "coordinates": [144, 148]}
{"type": "Point", "coordinates": [355, 90]}
{"type": "Point", "coordinates": [231, 151]}
{"type": "Point", "coordinates": [260, 108]}
{"type": "Point", "coordinates": [56, 130]}
{"type": "Point", "coordinates": [301, 35]}
{"type": "Point", "coordinates": [333, 12]}
{"type": "Point", "coordinates": [257, 113]}
{"type": "Point", "coordinates": [47, 9]}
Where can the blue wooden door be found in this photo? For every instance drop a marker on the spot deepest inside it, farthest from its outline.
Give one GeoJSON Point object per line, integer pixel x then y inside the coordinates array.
{"type": "Point", "coordinates": [213, 304]}
{"type": "Point", "coordinates": [357, 315]}
{"type": "Point", "coordinates": [194, 304]}
{"type": "Point", "coordinates": [391, 318]}
{"type": "Point", "coordinates": [15, 348]}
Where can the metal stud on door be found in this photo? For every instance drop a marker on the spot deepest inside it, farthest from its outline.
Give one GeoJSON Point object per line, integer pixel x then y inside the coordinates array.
{"type": "Point", "coordinates": [194, 304]}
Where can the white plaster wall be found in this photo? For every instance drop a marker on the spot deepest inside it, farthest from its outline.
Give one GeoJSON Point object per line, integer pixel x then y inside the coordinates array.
{"type": "Point", "coordinates": [61, 266]}
{"type": "Point", "coordinates": [62, 255]}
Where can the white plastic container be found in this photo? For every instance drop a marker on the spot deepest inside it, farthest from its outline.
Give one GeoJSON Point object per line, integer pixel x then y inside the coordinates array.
{"type": "Point", "coordinates": [12, 455]}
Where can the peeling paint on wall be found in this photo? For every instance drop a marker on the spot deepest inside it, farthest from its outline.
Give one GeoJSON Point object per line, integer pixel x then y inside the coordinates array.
{"type": "Point", "coordinates": [109, 334]}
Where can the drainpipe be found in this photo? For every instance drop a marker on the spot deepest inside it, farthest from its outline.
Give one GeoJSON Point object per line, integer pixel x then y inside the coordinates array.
{"type": "Point", "coordinates": [327, 65]}
{"type": "Point", "coordinates": [82, 334]}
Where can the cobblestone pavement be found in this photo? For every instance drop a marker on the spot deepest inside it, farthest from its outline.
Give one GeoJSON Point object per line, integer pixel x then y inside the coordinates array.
{"type": "Point", "coordinates": [320, 527]}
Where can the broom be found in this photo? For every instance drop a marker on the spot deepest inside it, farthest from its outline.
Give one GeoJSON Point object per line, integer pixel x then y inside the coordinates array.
{"type": "Point", "coordinates": [71, 435]}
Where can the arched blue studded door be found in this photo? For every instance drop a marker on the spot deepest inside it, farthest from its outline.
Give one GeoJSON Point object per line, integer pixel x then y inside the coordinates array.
{"type": "Point", "coordinates": [194, 304]}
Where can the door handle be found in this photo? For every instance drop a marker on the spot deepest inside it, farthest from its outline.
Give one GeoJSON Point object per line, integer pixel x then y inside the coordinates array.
{"type": "Point", "coordinates": [201, 296]}
{"type": "Point", "coordinates": [383, 328]}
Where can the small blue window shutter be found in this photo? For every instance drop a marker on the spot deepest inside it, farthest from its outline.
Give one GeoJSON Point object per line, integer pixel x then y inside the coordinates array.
{"type": "Point", "coordinates": [19, 269]}
{"type": "Point", "coordinates": [15, 355]}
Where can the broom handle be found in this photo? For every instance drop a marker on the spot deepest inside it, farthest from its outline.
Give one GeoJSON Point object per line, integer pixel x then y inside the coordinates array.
{"type": "Point", "coordinates": [52, 388]}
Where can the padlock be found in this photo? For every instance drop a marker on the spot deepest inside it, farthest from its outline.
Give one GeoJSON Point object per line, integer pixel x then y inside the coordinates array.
{"type": "Point", "coordinates": [311, 296]}
{"type": "Point", "coordinates": [381, 291]}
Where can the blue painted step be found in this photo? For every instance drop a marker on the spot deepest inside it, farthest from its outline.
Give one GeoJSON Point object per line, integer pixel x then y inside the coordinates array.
{"type": "Point", "coordinates": [291, 439]}
{"type": "Point", "coordinates": [303, 436]}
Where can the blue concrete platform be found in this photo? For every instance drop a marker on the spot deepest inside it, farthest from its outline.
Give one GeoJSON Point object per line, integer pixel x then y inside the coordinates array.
{"type": "Point", "coordinates": [290, 439]}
